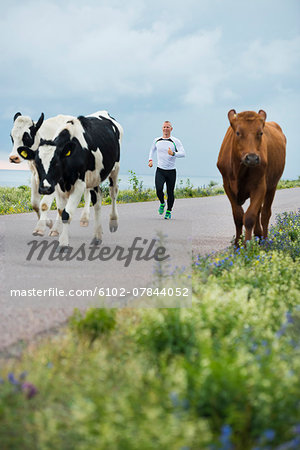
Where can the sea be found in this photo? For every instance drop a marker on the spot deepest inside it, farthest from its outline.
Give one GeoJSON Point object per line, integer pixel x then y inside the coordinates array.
{"type": "Point", "coordinates": [15, 178]}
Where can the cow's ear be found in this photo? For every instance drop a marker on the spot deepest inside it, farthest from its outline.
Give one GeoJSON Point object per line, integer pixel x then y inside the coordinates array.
{"type": "Point", "coordinates": [262, 114]}
{"type": "Point", "coordinates": [26, 153]}
{"type": "Point", "coordinates": [18, 114]}
{"type": "Point", "coordinates": [39, 122]}
{"type": "Point", "coordinates": [68, 150]}
{"type": "Point", "coordinates": [232, 116]}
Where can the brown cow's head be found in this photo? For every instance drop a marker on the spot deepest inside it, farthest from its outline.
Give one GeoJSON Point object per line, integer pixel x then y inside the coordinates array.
{"type": "Point", "coordinates": [248, 131]}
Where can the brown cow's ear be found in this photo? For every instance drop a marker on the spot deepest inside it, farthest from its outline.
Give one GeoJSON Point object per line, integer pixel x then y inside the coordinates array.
{"type": "Point", "coordinates": [232, 116]}
{"type": "Point", "coordinates": [262, 114]}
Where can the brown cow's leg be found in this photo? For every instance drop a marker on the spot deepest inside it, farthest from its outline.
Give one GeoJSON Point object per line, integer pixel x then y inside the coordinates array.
{"type": "Point", "coordinates": [237, 212]}
{"type": "Point", "coordinates": [252, 214]}
{"type": "Point", "coordinates": [257, 227]}
{"type": "Point", "coordinates": [266, 211]}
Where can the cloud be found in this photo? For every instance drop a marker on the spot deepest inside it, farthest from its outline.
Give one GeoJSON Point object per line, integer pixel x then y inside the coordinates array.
{"type": "Point", "coordinates": [103, 52]}
{"type": "Point", "coordinates": [278, 57]}
{"type": "Point", "coordinates": [187, 61]}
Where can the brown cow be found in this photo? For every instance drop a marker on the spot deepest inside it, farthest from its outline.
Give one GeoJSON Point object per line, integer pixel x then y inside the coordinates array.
{"type": "Point", "coordinates": [251, 161]}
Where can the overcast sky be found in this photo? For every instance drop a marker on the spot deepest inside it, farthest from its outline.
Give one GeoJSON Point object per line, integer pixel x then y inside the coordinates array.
{"type": "Point", "coordinates": [188, 61]}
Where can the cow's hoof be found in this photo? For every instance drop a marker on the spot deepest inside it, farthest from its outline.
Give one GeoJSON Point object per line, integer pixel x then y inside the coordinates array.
{"type": "Point", "coordinates": [96, 242]}
{"type": "Point", "coordinates": [53, 233]}
{"type": "Point", "coordinates": [49, 223]}
{"type": "Point", "coordinates": [38, 232]}
{"type": "Point", "coordinates": [113, 226]}
{"type": "Point", "coordinates": [84, 222]}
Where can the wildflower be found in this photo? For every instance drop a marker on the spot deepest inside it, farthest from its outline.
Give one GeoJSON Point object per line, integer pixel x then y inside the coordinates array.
{"type": "Point", "coordinates": [174, 398]}
{"type": "Point", "coordinates": [296, 429]}
{"type": "Point", "coordinates": [289, 317]}
{"type": "Point", "coordinates": [269, 434]}
{"type": "Point", "coordinates": [29, 389]}
{"type": "Point", "coordinates": [226, 432]}
{"type": "Point", "coordinates": [11, 378]}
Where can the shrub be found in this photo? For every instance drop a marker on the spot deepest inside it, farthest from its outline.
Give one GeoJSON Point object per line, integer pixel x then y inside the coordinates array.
{"type": "Point", "coordinates": [95, 323]}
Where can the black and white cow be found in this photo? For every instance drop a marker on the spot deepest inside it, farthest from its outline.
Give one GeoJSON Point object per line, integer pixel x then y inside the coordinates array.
{"type": "Point", "coordinates": [83, 154]}
{"type": "Point", "coordinates": [27, 133]}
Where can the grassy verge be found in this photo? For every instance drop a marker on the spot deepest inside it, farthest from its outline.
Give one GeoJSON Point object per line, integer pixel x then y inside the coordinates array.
{"type": "Point", "coordinates": [223, 374]}
{"type": "Point", "coordinates": [17, 200]}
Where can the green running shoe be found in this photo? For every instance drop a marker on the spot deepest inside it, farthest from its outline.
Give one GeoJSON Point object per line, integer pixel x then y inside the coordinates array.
{"type": "Point", "coordinates": [168, 214]}
{"type": "Point", "coordinates": [161, 208]}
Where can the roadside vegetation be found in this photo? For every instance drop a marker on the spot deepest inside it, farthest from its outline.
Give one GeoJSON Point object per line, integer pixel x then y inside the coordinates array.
{"type": "Point", "coordinates": [17, 200]}
{"type": "Point", "coordinates": [223, 374]}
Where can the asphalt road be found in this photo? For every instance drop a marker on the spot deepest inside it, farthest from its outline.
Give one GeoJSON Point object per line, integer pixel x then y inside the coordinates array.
{"type": "Point", "coordinates": [50, 288]}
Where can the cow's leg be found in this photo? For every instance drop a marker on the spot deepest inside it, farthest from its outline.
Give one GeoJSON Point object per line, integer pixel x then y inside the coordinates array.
{"type": "Point", "coordinates": [85, 215]}
{"type": "Point", "coordinates": [69, 210]}
{"type": "Point", "coordinates": [252, 213]}
{"type": "Point", "coordinates": [113, 192]}
{"type": "Point", "coordinates": [96, 196]}
{"type": "Point", "coordinates": [35, 196]}
{"type": "Point", "coordinates": [266, 211]}
{"type": "Point", "coordinates": [237, 212]}
{"type": "Point", "coordinates": [56, 229]}
{"type": "Point", "coordinates": [43, 221]}
{"type": "Point", "coordinates": [61, 201]}
{"type": "Point", "coordinates": [257, 226]}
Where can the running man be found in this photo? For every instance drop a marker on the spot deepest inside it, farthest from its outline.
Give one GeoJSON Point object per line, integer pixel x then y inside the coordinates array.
{"type": "Point", "coordinates": [168, 149]}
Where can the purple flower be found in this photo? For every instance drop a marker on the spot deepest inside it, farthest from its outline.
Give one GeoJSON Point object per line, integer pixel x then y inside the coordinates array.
{"type": "Point", "coordinates": [296, 429]}
{"type": "Point", "coordinates": [29, 389]}
{"type": "Point", "coordinates": [11, 378]}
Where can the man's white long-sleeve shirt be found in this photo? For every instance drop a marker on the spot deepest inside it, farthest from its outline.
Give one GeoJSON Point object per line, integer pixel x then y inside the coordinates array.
{"type": "Point", "coordinates": [161, 146]}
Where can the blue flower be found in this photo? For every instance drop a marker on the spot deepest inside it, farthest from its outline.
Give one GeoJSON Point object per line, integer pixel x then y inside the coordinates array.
{"type": "Point", "coordinates": [226, 432]}
{"type": "Point", "coordinates": [289, 317]}
{"type": "Point", "coordinates": [269, 434]}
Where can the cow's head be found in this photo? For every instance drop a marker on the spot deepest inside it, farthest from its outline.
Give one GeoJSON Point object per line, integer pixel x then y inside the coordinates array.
{"type": "Point", "coordinates": [53, 159]}
{"type": "Point", "coordinates": [248, 128]}
{"type": "Point", "coordinates": [24, 133]}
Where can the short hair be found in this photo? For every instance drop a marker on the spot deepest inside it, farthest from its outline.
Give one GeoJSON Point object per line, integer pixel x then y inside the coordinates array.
{"type": "Point", "coordinates": [167, 121]}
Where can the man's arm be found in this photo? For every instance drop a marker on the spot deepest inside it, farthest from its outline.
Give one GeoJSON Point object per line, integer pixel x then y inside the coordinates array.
{"type": "Point", "coordinates": [151, 153]}
{"type": "Point", "coordinates": [180, 150]}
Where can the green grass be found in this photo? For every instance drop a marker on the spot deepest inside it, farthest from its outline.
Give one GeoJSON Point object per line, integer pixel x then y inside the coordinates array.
{"type": "Point", "coordinates": [17, 200]}
{"type": "Point", "coordinates": [223, 374]}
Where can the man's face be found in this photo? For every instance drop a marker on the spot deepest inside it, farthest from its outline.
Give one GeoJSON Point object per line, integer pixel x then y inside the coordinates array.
{"type": "Point", "coordinates": [167, 128]}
